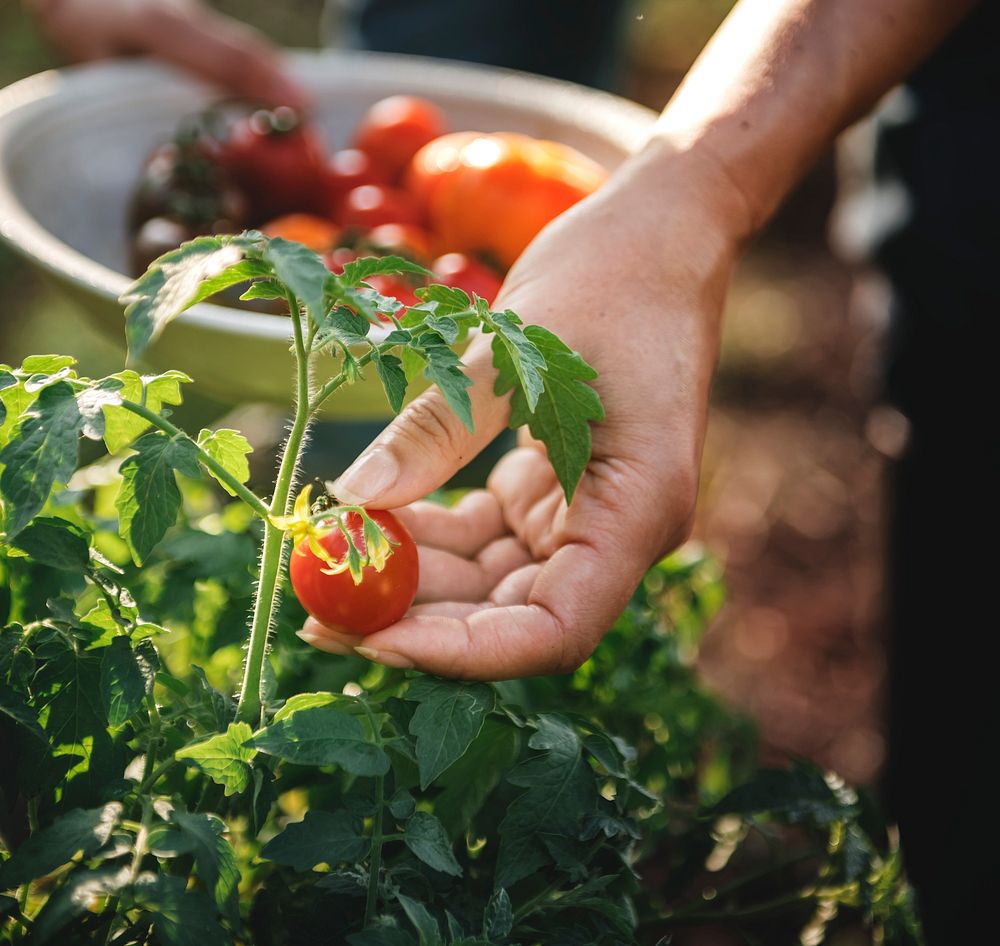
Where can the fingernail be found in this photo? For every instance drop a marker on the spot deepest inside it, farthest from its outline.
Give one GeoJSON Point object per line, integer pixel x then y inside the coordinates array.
{"type": "Point", "coordinates": [324, 643]}
{"type": "Point", "coordinates": [368, 478]}
{"type": "Point", "coordinates": [385, 657]}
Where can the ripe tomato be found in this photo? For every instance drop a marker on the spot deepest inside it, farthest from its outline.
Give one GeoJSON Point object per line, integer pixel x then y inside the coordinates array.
{"type": "Point", "coordinates": [464, 272]}
{"type": "Point", "coordinates": [399, 239]}
{"type": "Point", "coordinates": [278, 160]}
{"type": "Point", "coordinates": [371, 205]}
{"type": "Point", "coordinates": [493, 193]}
{"type": "Point", "coordinates": [381, 599]}
{"type": "Point", "coordinates": [318, 233]}
{"type": "Point", "coordinates": [337, 259]}
{"type": "Point", "coordinates": [395, 129]}
{"type": "Point", "coordinates": [346, 170]}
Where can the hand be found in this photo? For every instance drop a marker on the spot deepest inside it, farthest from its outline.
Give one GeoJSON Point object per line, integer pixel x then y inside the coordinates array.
{"type": "Point", "coordinates": [183, 32]}
{"type": "Point", "coordinates": [512, 582]}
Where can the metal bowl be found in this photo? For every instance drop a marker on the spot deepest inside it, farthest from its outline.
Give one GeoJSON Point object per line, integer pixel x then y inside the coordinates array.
{"type": "Point", "coordinates": [72, 142]}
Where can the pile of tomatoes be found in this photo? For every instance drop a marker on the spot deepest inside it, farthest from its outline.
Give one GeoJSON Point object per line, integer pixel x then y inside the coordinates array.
{"type": "Point", "coordinates": [464, 204]}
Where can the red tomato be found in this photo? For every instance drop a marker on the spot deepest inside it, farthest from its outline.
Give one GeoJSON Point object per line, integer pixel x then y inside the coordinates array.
{"type": "Point", "coordinates": [278, 160]}
{"type": "Point", "coordinates": [395, 129]}
{"type": "Point", "coordinates": [464, 272]}
{"type": "Point", "coordinates": [371, 205]}
{"type": "Point", "coordinates": [318, 233]}
{"type": "Point", "coordinates": [381, 599]}
{"type": "Point", "coordinates": [395, 287]}
{"type": "Point", "coordinates": [346, 170]}
{"type": "Point", "coordinates": [400, 239]}
{"type": "Point", "coordinates": [337, 259]}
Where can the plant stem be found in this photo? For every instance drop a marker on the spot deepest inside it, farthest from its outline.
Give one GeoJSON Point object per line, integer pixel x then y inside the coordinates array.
{"type": "Point", "coordinates": [378, 839]}
{"type": "Point", "coordinates": [250, 498]}
{"type": "Point", "coordinates": [250, 702]}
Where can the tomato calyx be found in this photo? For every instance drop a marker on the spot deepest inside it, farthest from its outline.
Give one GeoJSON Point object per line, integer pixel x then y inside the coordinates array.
{"type": "Point", "coordinates": [310, 522]}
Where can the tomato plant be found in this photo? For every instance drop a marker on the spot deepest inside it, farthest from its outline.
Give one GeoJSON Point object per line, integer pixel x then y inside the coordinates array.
{"type": "Point", "coordinates": [176, 773]}
{"type": "Point", "coordinates": [393, 130]}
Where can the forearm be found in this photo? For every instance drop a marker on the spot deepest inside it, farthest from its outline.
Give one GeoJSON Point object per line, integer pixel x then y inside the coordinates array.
{"type": "Point", "coordinates": [779, 81]}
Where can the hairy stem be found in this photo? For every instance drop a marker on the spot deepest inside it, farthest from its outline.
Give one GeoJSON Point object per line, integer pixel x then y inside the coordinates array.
{"type": "Point", "coordinates": [250, 498]}
{"type": "Point", "coordinates": [250, 702]}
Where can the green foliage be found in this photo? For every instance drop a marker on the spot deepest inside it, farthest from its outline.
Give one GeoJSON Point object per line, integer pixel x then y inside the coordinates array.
{"type": "Point", "coordinates": [139, 804]}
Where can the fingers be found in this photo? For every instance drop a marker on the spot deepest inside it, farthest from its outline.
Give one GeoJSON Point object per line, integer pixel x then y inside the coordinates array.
{"type": "Point", "coordinates": [447, 577]}
{"type": "Point", "coordinates": [427, 443]}
{"type": "Point", "coordinates": [465, 528]}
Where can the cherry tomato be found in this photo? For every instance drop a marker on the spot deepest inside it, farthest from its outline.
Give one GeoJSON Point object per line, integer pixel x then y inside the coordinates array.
{"type": "Point", "coordinates": [381, 599]}
{"type": "Point", "coordinates": [318, 233]}
{"type": "Point", "coordinates": [493, 193]}
{"type": "Point", "coordinates": [346, 170]}
{"type": "Point", "coordinates": [278, 160]}
{"type": "Point", "coordinates": [399, 239]}
{"type": "Point", "coordinates": [371, 205]}
{"type": "Point", "coordinates": [464, 272]}
{"type": "Point", "coordinates": [395, 129]}
{"type": "Point", "coordinates": [337, 259]}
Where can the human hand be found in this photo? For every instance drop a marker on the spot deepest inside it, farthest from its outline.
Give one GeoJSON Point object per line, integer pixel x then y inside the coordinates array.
{"type": "Point", "coordinates": [183, 32]}
{"type": "Point", "coordinates": [512, 582]}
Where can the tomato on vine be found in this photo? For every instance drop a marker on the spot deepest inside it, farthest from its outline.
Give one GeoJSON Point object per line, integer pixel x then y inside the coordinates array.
{"type": "Point", "coordinates": [380, 598]}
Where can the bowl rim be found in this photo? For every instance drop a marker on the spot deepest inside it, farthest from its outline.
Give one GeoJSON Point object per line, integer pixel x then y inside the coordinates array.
{"type": "Point", "coordinates": [128, 78]}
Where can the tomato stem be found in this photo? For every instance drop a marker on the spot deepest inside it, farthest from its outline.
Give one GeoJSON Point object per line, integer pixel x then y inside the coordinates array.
{"type": "Point", "coordinates": [272, 562]}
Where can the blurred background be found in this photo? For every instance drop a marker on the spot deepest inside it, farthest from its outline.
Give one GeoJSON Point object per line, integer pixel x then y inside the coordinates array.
{"type": "Point", "coordinates": [791, 496]}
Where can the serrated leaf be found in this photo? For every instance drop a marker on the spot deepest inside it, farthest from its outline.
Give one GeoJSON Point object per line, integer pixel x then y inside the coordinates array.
{"type": "Point", "coordinates": [302, 271]}
{"type": "Point", "coordinates": [77, 831]}
{"type": "Point", "coordinates": [498, 917]}
{"type": "Point", "coordinates": [393, 378]}
{"type": "Point", "coordinates": [46, 364]}
{"type": "Point", "coordinates": [561, 418]}
{"type": "Point", "coordinates": [343, 326]}
{"type": "Point", "coordinates": [42, 451]}
{"type": "Point", "coordinates": [446, 721]}
{"type": "Point", "coordinates": [444, 368]}
{"type": "Point", "coordinates": [322, 736]}
{"type": "Point", "coordinates": [122, 683]}
{"type": "Point", "coordinates": [36, 382]}
{"type": "Point", "coordinates": [225, 758]}
{"type": "Point", "coordinates": [523, 355]}
{"type": "Point", "coordinates": [181, 917]}
{"type": "Point", "coordinates": [56, 543]}
{"type": "Point", "coordinates": [426, 837]}
{"type": "Point", "coordinates": [121, 426]}
{"type": "Point", "coordinates": [360, 269]}
{"type": "Point", "coordinates": [13, 707]}
{"type": "Point", "coordinates": [149, 498]}
{"type": "Point", "coordinates": [446, 300]}
{"type": "Point", "coordinates": [93, 402]}
{"type": "Point", "coordinates": [75, 896]}
{"type": "Point", "coordinates": [264, 289]}
{"type": "Point", "coordinates": [230, 449]}
{"type": "Point", "coordinates": [302, 701]}
{"type": "Point", "coordinates": [413, 363]}
{"type": "Point", "coordinates": [322, 837]}
{"type": "Point", "coordinates": [428, 931]}
{"type": "Point", "coordinates": [214, 857]}
{"type": "Point", "coordinates": [14, 401]}
{"type": "Point", "coordinates": [172, 284]}
{"type": "Point", "coordinates": [796, 794]}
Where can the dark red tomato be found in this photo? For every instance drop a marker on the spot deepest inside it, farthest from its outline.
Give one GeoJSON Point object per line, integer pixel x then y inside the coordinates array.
{"type": "Point", "coordinates": [337, 259]}
{"type": "Point", "coordinates": [381, 599]}
{"type": "Point", "coordinates": [346, 170]}
{"type": "Point", "coordinates": [372, 205]}
{"type": "Point", "coordinates": [464, 272]}
{"type": "Point", "coordinates": [399, 239]}
{"type": "Point", "coordinates": [278, 160]}
{"type": "Point", "coordinates": [395, 129]}
{"type": "Point", "coordinates": [393, 286]}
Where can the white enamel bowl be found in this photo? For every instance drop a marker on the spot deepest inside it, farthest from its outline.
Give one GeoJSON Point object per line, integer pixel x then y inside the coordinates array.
{"type": "Point", "coordinates": [72, 142]}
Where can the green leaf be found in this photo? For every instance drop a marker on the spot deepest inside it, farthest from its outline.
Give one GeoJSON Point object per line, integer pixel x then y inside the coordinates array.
{"type": "Point", "coordinates": [46, 364]}
{"type": "Point", "coordinates": [93, 401]}
{"type": "Point", "coordinates": [224, 758]}
{"type": "Point", "coordinates": [413, 363]}
{"type": "Point", "coordinates": [42, 451]}
{"type": "Point", "coordinates": [322, 837]}
{"type": "Point", "coordinates": [402, 804]}
{"type": "Point", "coordinates": [214, 857]}
{"type": "Point", "coordinates": [123, 685]}
{"type": "Point", "coordinates": [360, 269]}
{"type": "Point", "coordinates": [426, 837]}
{"type": "Point", "coordinates": [303, 701]}
{"type": "Point", "coordinates": [796, 794]}
{"type": "Point", "coordinates": [344, 326]}
{"type": "Point", "coordinates": [13, 707]}
{"type": "Point", "coordinates": [561, 791]}
{"type": "Point", "coordinates": [498, 917]}
{"type": "Point", "coordinates": [381, 936]}
{"type": "Point", "coordinates": [428, 931]}
{"type": "Point", "coordinates": [393, 378]}
{"type": "Point", "coordinates": [302, 271]}
{"type": "Point", "coordinates": [149, 498]}
{"type": "Point", "coordinates": [172, 284]}
{"type": "Point", "coordinates": [444, 368]}
{"type": "Point", "coordinates": [562, 415]}
{"type": "Point", "coordinates": [264, 289]}
{"type": "Point", "coordinates": [180, 917]}
{"type": "Point", "coordinates": [121, 426]}
{"type": "Point", "coordinates": [522, 354]}
{"type": "Point", "coordinates": [56, 543]}
{"type": "Point", "coordinates": [74, 897]}
{"type": "Point", "coordinates": [322, 736]}
{"type": "Point", "coordinates": [445, 300]}
{"type": "Point", "coordinates": [447, 720]}
{"type": "Point", "coordinates": [230, 449]}
{"type": "Point", "coordinates": [77, 831]}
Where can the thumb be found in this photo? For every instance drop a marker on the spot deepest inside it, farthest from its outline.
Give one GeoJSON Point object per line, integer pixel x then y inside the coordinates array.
{"type": "Point", "coordinates": [427, 443]}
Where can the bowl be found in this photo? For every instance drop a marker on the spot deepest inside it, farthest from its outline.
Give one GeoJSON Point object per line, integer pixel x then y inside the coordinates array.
{"type": "Point", "coordinates": [72, 142]}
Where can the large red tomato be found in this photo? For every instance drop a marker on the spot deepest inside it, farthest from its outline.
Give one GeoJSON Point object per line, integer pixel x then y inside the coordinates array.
{"type": "Point", "coordinates": [381, 598]}
{"type": "Point", "coordinates": [464, 272]}
{"type": "Point", "coordinates": [371, 206]}
{"type": "Point", "coordinates": [395, 129]}
{"type": "Point", "coordinates": [493, 193]}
